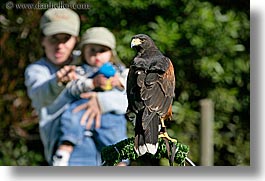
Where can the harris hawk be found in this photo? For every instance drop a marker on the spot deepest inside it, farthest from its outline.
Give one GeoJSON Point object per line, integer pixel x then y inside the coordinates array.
{"type": "Point", "coordinates": [150, 93]}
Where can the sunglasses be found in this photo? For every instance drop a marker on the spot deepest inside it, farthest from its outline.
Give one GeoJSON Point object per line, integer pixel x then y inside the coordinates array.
{"type": "Point", "coordinates": [57, 39]}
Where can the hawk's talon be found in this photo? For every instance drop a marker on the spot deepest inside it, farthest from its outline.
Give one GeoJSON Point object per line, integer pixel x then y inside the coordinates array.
{"type": "Point", "coordinates": [165, 135]}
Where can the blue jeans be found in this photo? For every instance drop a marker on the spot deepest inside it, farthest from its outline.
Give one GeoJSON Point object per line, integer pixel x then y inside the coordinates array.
{"type": "Point", "coordinates": [87, 147]}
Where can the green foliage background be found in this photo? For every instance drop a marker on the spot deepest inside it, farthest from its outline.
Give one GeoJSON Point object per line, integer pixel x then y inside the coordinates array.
{"type": "Point", "coordinates": [207, 41]}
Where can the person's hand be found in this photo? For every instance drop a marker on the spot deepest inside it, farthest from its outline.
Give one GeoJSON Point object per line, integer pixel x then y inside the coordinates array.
{"type": "Point", "coordinates": [92, 110]}
{"type": "Point", "coordinates": [100, 81]}
{"type": "Point", "coordinates": [115, 81]}
{"type": "Point", "coordinates": [66, 74]}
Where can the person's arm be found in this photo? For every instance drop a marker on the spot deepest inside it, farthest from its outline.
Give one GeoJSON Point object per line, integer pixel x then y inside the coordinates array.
{"type": "Point", "coordinates": [116, 99]}
{"type": "Point", "coordinates": [123, 77]}
{"type": "Point", "coordinates": [79, 86]}
{"type": "Point", "coordinates": [112, 101]}
{"type": "Point", "coordinates": [100, 103]}
{"type": "Point", "coordinates": [42, 87]}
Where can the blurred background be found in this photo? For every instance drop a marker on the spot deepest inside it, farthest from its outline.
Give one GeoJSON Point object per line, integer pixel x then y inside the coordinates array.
{"type": "Point", "coordinates": [207, 41]}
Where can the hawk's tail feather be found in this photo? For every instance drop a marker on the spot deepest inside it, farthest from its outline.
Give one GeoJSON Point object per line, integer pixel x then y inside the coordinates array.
{"type": "Point", "coordinates": [146, 140]}
{"type": "Point", "coordinates": [149, 148]}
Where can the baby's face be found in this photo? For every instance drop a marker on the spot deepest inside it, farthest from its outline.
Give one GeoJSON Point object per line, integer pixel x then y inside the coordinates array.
{"type": "Point", "coordinates": [96, 55]}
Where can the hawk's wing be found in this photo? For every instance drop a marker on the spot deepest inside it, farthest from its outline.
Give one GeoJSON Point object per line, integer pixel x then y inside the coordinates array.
{"type": "Point", "coordinates": [135, 102]}
{"type": "Point", "coordinates": [157, 91]}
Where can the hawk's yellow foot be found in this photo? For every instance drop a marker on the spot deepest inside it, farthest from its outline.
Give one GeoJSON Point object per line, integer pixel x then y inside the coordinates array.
{"type": "Point", "coordinates": [165, 135]}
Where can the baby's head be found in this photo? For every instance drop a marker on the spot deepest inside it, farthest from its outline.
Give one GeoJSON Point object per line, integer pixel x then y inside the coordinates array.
{"type": "Point", "coordinates": [98, 46]}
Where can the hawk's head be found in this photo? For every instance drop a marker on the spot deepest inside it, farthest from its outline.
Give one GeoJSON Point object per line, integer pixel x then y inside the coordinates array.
{"type": "Point", "coordinates": [142, 42]}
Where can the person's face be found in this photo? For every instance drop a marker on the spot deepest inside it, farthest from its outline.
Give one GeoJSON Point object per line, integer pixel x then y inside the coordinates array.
{"type": "Point", "coordinates": [58, 47]}
{"type": "Point", "coordinates": [96, 55]}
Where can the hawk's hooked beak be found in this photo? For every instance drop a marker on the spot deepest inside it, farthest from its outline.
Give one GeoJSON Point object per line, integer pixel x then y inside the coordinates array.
{"type": "Point", "coordinates": [135, 42]}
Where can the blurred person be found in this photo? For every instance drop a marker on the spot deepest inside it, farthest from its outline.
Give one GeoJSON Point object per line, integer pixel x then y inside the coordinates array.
{"type": "Point", "coordinates": [101, 76]}
{"type": "Point", "coordinates": [45, 78]}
